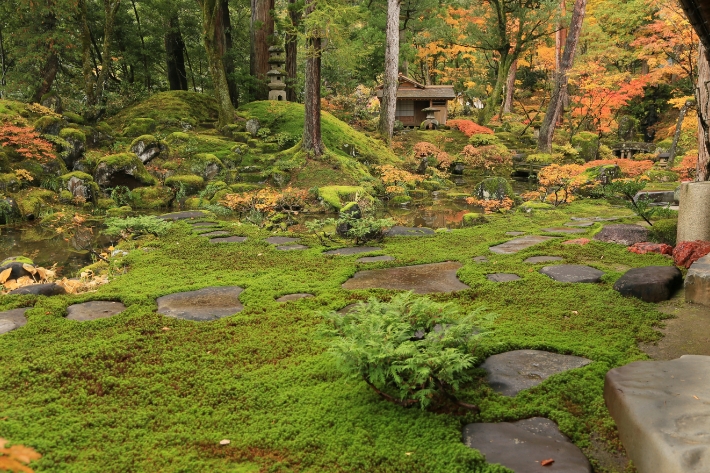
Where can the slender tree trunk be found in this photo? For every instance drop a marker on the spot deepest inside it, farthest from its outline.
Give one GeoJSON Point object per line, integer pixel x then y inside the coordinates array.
{"type": "Point", "coordinates": [228, 54]}
{"type": "Point", "coordinates": [213, 37]}
{"type": "Point", "coordinates": [110, 10]}
{"type": "Point", "coordinates": [87, 70]}
{"type": "Point", "coordinates": [312, 141]}
{"type": "Point", "coordinates": [702, 97]}
{"type": "Point", "coordinates": [262, 29]}
{"type": "Point", "coordinates": [49, 73]}
{"type": "Point", "coordinates": [560, 38]}
{"type": "Point", "coordinates": [391, 79]}
{"type": "Point", "coordinates": [510, 88]}
{"type": "Point", "coordinates": [3, 66]}
{"type": "Point", "coordinates": [493, 101]}
{"type": "Point", "coordinates": [174, 53]}
{"type": "Point", "coordinates": [678, 130]}
{"type": "Point", "coordinates": [292, 51]}
{"type": "Point", "coordinates": [143, 50]}
{"type": "Point", "coordinates": [554, 108]}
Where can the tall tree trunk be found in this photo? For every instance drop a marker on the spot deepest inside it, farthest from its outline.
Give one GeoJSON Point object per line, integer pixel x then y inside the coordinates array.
{"type": "Point", "coordinates": [510, 88]}
{"type": "Point", "coordinates": [391, 79]}
{"type": "Point", "coordinates": [228, 54]}
{"type": "Point", "coordinates": [493, 101]}
{"type": "Point", "coordinates": [560, 38]}
{"type": "Point", "coordinates": [676, 136]}
{"type": "Point", "coordinates": [554, 108]}
{"type": "Point", "coordinates": [261, 30]}
{"type": "Point", "coordinates": [174, 53]}
{"type": "Point", "coordinates": [312, 141]}
{"type": "Point", "coordinates": [3, 66]}
{"type": "Point", "coordinates": [110, 10]}
{"type": "Point", "coordinates": [143, 50]}
{"type": "Point", "coordinates": [86, 67]}
{"type": "Point", "coordinates": [292, 51]}
{"type": "Point", "coordinates": [702, 97]}
{"type": "Point", "coordinates": [51, 64]}
{"type": "Point", "coordinates": [213, 37]}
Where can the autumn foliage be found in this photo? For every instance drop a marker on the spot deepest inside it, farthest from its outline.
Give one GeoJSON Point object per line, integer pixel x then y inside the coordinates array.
{"type": "Point", "coordinates": [16, 458]}
{"type": "Point", "coordinates": [26, 142]}
{"type": "Point", "coordinates": [491, 205]}
{"type": "Point", "coordinates": [629, 167]}
{"type": "Point", "coordinates": [424, 149]}
{"type": "Point", "coordinates": [469, 128]}
{"type": "Point", "coordinates": [687, 167]}
{"type": "Point", "coordinates": [266, 200]}
{"type": "Point", "coordinates": [493, 158]}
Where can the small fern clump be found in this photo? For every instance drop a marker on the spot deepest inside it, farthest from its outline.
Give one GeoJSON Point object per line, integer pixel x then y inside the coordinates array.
{"type": "Point", "coordinates": [134, 226]}
{"type": "Point", "coordinates": [411, 350]}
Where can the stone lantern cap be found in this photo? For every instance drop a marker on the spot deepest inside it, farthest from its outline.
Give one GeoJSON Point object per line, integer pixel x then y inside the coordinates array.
{"type": "Point", "coordinates": [430, 109]}
{"type": "Point", "coordinates": [276, 49]}
{"type": "Point", "coordinates": [274, 72]}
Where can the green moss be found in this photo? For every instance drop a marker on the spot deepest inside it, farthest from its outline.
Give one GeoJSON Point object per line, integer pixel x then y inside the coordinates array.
{"type": "Point", "coordinates": [541, 158]}
{"type": "Point", "coordinates": [431, 185]}
{"type": "Point", "coordinates": [33, 201]}
{"type": "Point", "coordinates": [192, 203]}
{"type": "Point", "coordinates": [105, 128]}
{"type": "Point", "coordinates": [124, 211]}
{"type": "Point", "coordinates": [140, 126]}
{"type": "Point", "coordinates": [105, 204]}
{"type": "Point", "coordinates": [65, 196]}
{"type": "Point", "coordinates": [72, 134]}
{"type": "Point", "coordinates": [8, 182]}
{"type": "Point", "coordinates": [657, 175]}
{"type": "Point", "coordinates": [79, 175]}
{"type": "Point", "coordinates": [531, 206]}
{"type": "Point", "coordinates": [151, 197]}
{"type": "Point", "coordinates": [484, 140]}
{"type": "Point", "coordinates": [400, 199]}
{"type": "Point", "coordinates": [48, 124]}
{"type": "Point", "coordinates": [177, 137]}
{"type": "Point", "coordinates": [664, 231]}
{"type": "Point", "coordinates": [169, 110]}
{"type": "Point", "coordinates": [11, 110]}
{"type": "Point", "coordinates": [206, 165]}
{"type": "Point", "coordinates": [334, 196]}
{"type": "Point", "coordinates": [72, 117]}
{"type": "Point", "coordinates": [17, 259]}
{"type": "Point", "coordinates": [472, 219]}
{"type": "Point", "coordinates": [147, 139]}
{"type": "Point", "coordinates": [191, 183]}
{"type": "Point", "coordinates": [129, 163]}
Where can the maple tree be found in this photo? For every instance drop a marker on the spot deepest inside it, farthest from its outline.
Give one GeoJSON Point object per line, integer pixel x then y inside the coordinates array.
{"type": "Point", "coordinates": [468, 127]}
{"type": "Point", "coordinates": [26, 142]}
{"type": "Point", "coordinates": [491, 158]}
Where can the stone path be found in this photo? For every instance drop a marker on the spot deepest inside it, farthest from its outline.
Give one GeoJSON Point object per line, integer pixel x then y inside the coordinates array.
{"type": "Point", "coordinates": [519, 244]}
{"type": "Point", "coordinates": [94, 310]}
{"type": "Point", "coordinates": [210, 303]}
{"type": "Point", "coordinates": [650, 283]}
{"type": "Point", "coordinates": [422, 279]}
{"type": "Point", "coordinates": [375, 259]}
{"type": "Point", "coordinates": [579, 224]}
{"type": "Point", "coordinates": [12, 319]}
{"type": "Point", "coordinates": [354, 250]}
{"type": "Point", "coordinates": [232, 239]}
{"type": "Point", "coordinates": [399, 231]}
{"type": "Point", "coordinates": [514, 233]}
{"type": "Point", "coordinates": [513, 371]}
{"type": "Point", "coordinates": [291, 247]}
{"type": "Point", "coordinates": [522, 446]}
{"type": "Point", "coordinates": [595, 219]}
{"type": "Point", "coordinates": [626, 235]}
{"type": "Point", "coordinates": [218, 233]}
{"type": "Point", "coordinates": [662, 411]}
{"type": "Point", "coordinates": [565, 230]}
{"type": "Point", "coordinates": [49, 289]}
{"type": "Point", "coordinates": [183, 215]}
{"type": "Point", "coordinates": [502, 277]}
{"type": "Point", "coordinates": [277, 240]}
{"type": "Point", "coordinates": [542, 259]}
{"type": "Point", "coordinates": [573, 273]}
{"type": "Point", "coordinates": [294, 297]}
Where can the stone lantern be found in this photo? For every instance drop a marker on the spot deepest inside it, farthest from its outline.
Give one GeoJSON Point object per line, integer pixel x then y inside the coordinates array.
{"type": "Point", "coordinates": [430, 122]}
{"type": "Point", "coordinates": [277, 86]}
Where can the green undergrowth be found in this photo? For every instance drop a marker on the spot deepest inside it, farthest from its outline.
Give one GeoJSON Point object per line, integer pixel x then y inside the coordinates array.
{"type": "Point", "coordinates": [143, 392]}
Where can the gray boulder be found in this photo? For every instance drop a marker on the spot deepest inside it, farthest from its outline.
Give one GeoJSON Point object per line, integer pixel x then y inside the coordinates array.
{"type": "Point", "coordinates": [650, 283]}
{"type": "Point", "coordinates": [622, 234]}
{"type": "Point", "coordinates": [253, 126]}
{"type": "Point", "coordinates": [147, 147]}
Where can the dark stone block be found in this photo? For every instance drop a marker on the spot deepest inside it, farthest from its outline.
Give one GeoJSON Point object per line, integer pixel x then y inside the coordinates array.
{"type": "Point", "coordinates": [622, 234]}
{"type": "Point", "coordinates": [49, 289]}
{"type": "Point", "coordinates": [651, 283]}
{"type": "Point", "coordinates": [573, 273]}
{"type": "Point", "coordinates": [94, 310]}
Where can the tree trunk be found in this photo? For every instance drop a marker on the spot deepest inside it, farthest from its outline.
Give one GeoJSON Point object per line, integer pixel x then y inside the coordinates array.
{"type": "Point", "coordinates": [49, 73]}
{"type": "Point", "coordinates": [312, 141]}
{"type": "Point", "coordinates": [174, 48]}
{"type": "Point", "coordinates": [292, 51]}
{"type": "Point", "coordinates": [510, 88]}
{"type": "Point", "coordinates": [86, 68]}
{"type": "Point", "coordinates": [678, 130]}
{"type": "Point", "coordinates": [213, 37]}
{"type": "Point", "coordinates": [110, 10]}
{"type": "Point", "coordinates": [391, 78]}
{"type": "Point", "coordinates": [3, 66]}
{"type": "Point", "coordinates": [554, 108]}
{"type": "Point", "coordinates": [702, 97]}
{"type": "Point", "coordinates": [228, 54]}
{"type": "Point", "coordinates": [560, 38]}
{"type": "Point", "coordinates": [143, 50]}
{"type": "Point", "coordinates": [493, 100]}
{"type": "Point", "coordinates": [261, 30]}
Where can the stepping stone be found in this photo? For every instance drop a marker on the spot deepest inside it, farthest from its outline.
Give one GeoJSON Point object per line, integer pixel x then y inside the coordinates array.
{"type": "Point", "coordinates": [210, 303]}
{"type": "Point", "coordinates": [183, 215]}
{"type": "Point", "coordinates": [513, 371]}
{"type": "Point", "coordinates": [514, 233]}
{"type": "Point", "coordinates": [232, 239]}
{"type": "Point", "coordinates": [579, 224]}
{"type": "Point", "coordinates": [345, 310]}
{"type": "Point", "coordinates": [480, 259]}
{"type": "Point", "coordinates": [12, 319]}
{"type": "Point", "coordinates": [352, 250]}
{"type": "Point", "coordinates": [519, 244]}
{"type": "Point", "coordinates": [521, 446]}
{"type": "Point", "coordinates": [94, 310]}
{"type": "Point", "coordinates": [650, 283]}
{"type": "Point", "coordinates": [626, 235]}
{"type": "Point", "coordinates": [697, 282]}
{"type": "Point", "coordinates": [564, 230]}
{"type": "Point", "coordinates": [49, 289]}
{"type": "Point", "coordinates": [203, 224]}
{"type": "Point", "coordinates": [663, 197]}
{"type": "Point", "coordinates": [575, 273]}
{"type": "Point", "coordinates": [422, 279]}
{"type": "Point", "coordinates": [502, 277]}
{"type": "Point", "coordinates": [595, 219]}
{"type": "Point", "coordinates": [542, 259]}
{"type": "Point", "coordinates": [662, 412]}
{"type": "Point", "coordinates": [291, 247]}
{"type": "Point", "coordinates": [398, 231]}
{"type": "Point", "coordinates": [293, 297]}
{"type": "Point", "coordinates": [578, 241]}
{"type": "Point", "coordinates": [375, 259]}
{"type": "Point", "coordinates": [277, 240]}
{"type": "Point", "coordinates": [218, 233]}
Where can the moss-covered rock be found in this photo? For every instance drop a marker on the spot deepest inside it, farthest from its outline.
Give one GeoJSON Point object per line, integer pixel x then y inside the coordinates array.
{"type": "Point", "coordinates": [123, 211]}
{"type": "Point", "coordinates": [206, 165]}
{"type": "Point", "coordinates": [151, 197]}
{"type": "Point", "coordinates": [9, 183]}
{"type": "Point", "coordinates": [473, 219]}
{"type": "Point", "coordinates": [140, 126]}
{"type": "Point", "coordinates": [75, 146]}
{"type": "Point", "coordinates": [81, 186]}
{"type": "Point", "coordinates": [177, 137]}
{"type": "Point", "coordinates": [494, 188]}
{"type": "Point", "coordinates": [657, 175]}
{"type": "Point", "coordinates": [400, 199]}
{"type": "Point", "coordinates": [233, 128]}
{"type": "Point", "coordinates": [123, 169]}
{"type": "Point", "coordinates": [431, 185]}
{"type": "Point", "coordinates": [148, 147]}
{"type": "Point", "coordinates": [190, 183]}
{"type": "Point", "coordinates": [532, 206]}
{"type": "Point", "coordinates": [587, 143]}
{"type": "Point", "coordinates": [334, 196]}
{"type": "Point", "coordinates": [105, 204]}
{"type": "Point", "coordinates": [72, 117]}
{"type": "Point", "coordinates": [49, 125]}
{"type": "Point", "coordinates": [34, 200]}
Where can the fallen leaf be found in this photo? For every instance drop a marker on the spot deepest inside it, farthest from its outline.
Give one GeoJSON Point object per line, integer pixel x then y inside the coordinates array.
{"type": "Point", "coordinates": [16, 457]}
{"type": "Point", "coordinates": [408, 453]}
{"type": "Point", "coordinates": [29, 268]}
{"type": "Point", "coordinates": [165, 329]}
{"type": "Point", "coordinates": [5, 275]}
{"type": "Point", "coordinates": [42, 273]}
{"type": "Point", "coordinates": [225, 442]}
{"type": "Point", "coordinates": [696, 397]}
{"type": "Point", "coordinates": [11, 284]}
{"type": "Point", "coordinates": [547, 462]}
{"type": "Point", "coordinates": [575, 312]}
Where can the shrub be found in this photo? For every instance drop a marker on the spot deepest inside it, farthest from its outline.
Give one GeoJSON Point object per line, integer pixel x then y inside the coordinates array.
{"type": "Point", "coordinates": [424, 149]}
{"type": "Point", "coordinates": [656, 175]}
{"type": "Point", "coordinates": [557, 184]}
{"type": "Point", "coordinates": [664, 231]}
{"type": "Point", "coordinates": [26, 142]}
{"type": "Point", "coordinates": [493, 158]}
{"type": "Point", "coordinates": [410, 351]}
{"type": "Point", "coordinates": [687, 167]}
{"type": "Point", "coordinates": [627, 189]}
{"type": "Point", "coordinates": [191, 183]}
{"type": "Point", "coordinates": [483, 139]}
{"type": "Point", "coordinates": [133, 226]}
{"type": "Point", "coordinates": [469, 128]}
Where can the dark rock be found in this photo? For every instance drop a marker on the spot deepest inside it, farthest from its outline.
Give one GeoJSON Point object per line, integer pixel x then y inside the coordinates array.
{"type": "Point", "coordinates": [422, 279]}
{"type": "Point", "coordinates": [218, 233]}
{"type": "Point", "coordinates": [375, 259]}
{"type": "Point", "coordinates": [502, 277]}
{"type": "Point", "coordinates": [625, 235]}
{"type": "Point", "coordinates": [542, 259]}
{"type": "Point", "coordinates": [667, 197]}
{"type": "Point", "coordinates": [12, 211]}
{"type": "Point", "coordinates": [662, 412]}
{"type": "Point", "coordinates": [521, 446]}
{"type": "Point", "coordinates": [232, 239]}
{"type": "Point", "coordinates": [574, 273]}
{"type": "Point", "coordinates": [94, 310]}
{"type": "Point", "coordinates": [650, 283]}
{"type": "Point", "coordinates": [80, 188]}
{"type": "Point", "coordinates": [355, 250]}
{"type": "Point", "coordinates": [399, 231]}
{"type": "Point", "coordinates": [184, 215]}
{"type": "Point", "coordinates": [210, 303]}
{"type": "Point", "coordinates": [513, 371]}
{"type": "Point", "coordinates": [457, 168]}
{"type": "Point", "coordinates": [252, 126]}
{"type": "Point", "coordinates": [12, 319]}
{"type": "Point", "coordinates": [148, 149]}
{"type": "Point", "coordinates": [291, 247]}
{"type": "Point", "coordinates": [293, 297]}
{"type": "Point", "coordinates": [519, 244]}
{"type": "Point", "coordinates": [564, 230]}
{"type": "Point", "coordinates": [18, 269]}
{"type": "Point", "coordinates": [49, 289]}
{"type": "Point", "coordinates": [276, 240]}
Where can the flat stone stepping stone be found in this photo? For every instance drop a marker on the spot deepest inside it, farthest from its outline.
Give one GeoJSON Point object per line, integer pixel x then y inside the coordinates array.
{"type": "Point", "coordinates": [183, 215]}
{"type": "Point", "coordinates": [277, 240]}
{"type": "Point", "coordinates": [345, 310]}
{"type": "Point", "coordinates": [218, 233]}
{"type": "Point", "coordinates": [575, 273]}
{"type": "Point", "coordinates": [503, 277]}
{"type": "Point", "coordinates": [519, 244]}
{"type": "Point", "coordinates": [662, 411]}
{"type": "Point", "coordinates": [203, 224]}
{"type": "Point", "coordinates": [375, 259]}
{"type": "Point", "coordinates": [355, 250]}
{"type": "Point", "coordinates": [513, 371]}
{"type": "Point", "coordinates": [650, 283]}
{"type": "Point", "coordinates": [49, 289]}
{"type": "Point", "coordinates": [595, 219]}
{"type": "Point", "coordinates": [210, 303]}
{"type": "Point", "coordinates": [542, 259]}
{"type": "Point", "coordinates": [293, 297]}
{"type": "Point", "coordinates": [564, 230]}
{"type": "Point", "coordinates": [422, 279]}
{"type": "Point", "coordinates": [522, 446]}
{"type": "Point", "coordinates": [291, 247]}
{"type": "Point", "coordinates": [514, 233]}
{"type": "Point", "coordinates": [232, 239]}
{"type": "Point", "coordinates": [94, 310]}
{"type": "Point", "coordinates": [398, 231]}
{"type": "Point", "coordinates": [480, 259]}
{"type": "Point", "coordinates": [579, 224]}
{"type": "Point", "coordinates": [626, 235]}
{"type": "Point", "coordinates": [12, 319]}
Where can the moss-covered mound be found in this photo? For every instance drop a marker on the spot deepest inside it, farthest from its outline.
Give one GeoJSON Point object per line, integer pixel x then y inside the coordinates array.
{"type": "Point", "coordinates": [123, 169]}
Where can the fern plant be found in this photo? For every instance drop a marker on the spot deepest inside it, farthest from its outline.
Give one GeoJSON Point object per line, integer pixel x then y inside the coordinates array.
{"type": "Point", "coordinates": [411, 350]}
{"type": "Point", "coordinates": [134, 226]}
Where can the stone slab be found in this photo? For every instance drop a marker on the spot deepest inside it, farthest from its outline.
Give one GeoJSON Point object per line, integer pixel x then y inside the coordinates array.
{"type": "Point", "coordinates": [622, 234]}
{"type": "Point", "coordinates": [354, 250]}
{"type": "Point", "coordinates": [662, 411]}
{"type": "Point", "coordinates": [519, 244]}
{"type": "Point", "coordinates": [579, 224]}
{"type": "Point", "coordinates": [210, 303]}
{"type": "Point", "coordinates": [574, 273]}
{"type": "Point", "coordinates": [232, 239]}
{"type": "Point", "coordinates": [514, 233]}
{"type": "Point", "coordinates": [513, 371]}
{"type": "Point", "coordinates": [522, 446]}
{"type": "Point", "coordinates": [375, 259]}
{"type": "Point", "coordinates": [697, 282]}
{"type": "Point", "coordinates": [595, 219]}
{"type": "Point", "coordinates": [662, 197]}
{"type": "Point", "coordinates": [294, 297]}
{"type": "Point", "coordinates": [399, 231]}
{"type": "Point", "coordinates": [565, 230]}
{"type": "Point", "coordinates": [183, 215]}
{"type": "Point", "coordinates": [12, 319]}
{"type": "Point", "coordinates": [277, 240]}
{"type": "Point", "coordinates": [480, 259]}
{"type": "Point", "coordinates": [422, 279]}
{"type": "Point", "coordinates": [650, 283]}
{"type": "Point", "coordinates": [503, 277]}
{"type": "Point", "coordinates": [218, 233]}
{"type": "Point", "coordinates": [203, 224]}
{"type": "Point", "coordinates": [48, 289]}
{"type": "Point", "coordinates": [291, 247]}
{"type": "Point", "coordinates": [542, 259]}
{"type": "Point", "coordinates": [94, 310]}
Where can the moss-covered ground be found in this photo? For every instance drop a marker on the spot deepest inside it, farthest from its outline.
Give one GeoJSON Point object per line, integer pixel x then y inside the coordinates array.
{"type": "Point", "coordinates": [142, 392]}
